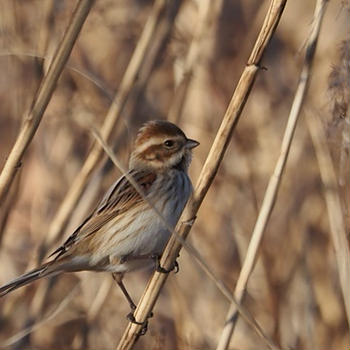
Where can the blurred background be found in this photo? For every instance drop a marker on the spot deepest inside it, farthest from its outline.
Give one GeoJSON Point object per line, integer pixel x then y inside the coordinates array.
{"type": "Point", "coordinates": [294, 292]}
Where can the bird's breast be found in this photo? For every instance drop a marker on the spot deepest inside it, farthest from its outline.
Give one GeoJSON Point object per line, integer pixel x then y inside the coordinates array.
{"type": "Point", "coordinates": [148, 232]}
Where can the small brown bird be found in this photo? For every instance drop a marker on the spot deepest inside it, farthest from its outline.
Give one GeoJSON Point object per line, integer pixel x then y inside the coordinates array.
{"type": "Point", "coordinates": [124, 233]}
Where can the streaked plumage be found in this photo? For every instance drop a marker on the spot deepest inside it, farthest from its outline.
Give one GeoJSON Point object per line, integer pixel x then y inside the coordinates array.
{"type": "Point", "coordinates": [123, 232]}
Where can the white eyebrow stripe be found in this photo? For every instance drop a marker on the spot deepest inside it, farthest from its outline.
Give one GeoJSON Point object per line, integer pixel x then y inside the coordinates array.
{"type": "Point", "coordinates": [151, 142]}
{"type": "Point", "coordinates": [155, 141]}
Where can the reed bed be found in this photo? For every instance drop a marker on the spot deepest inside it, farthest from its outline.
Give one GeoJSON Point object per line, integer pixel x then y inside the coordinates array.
{"type": "Point", "coordinates": [139, 60]}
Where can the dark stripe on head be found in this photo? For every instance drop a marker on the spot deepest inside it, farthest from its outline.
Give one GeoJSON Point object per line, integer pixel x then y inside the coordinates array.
{"type": "Point", "coordinates": [156, 128]}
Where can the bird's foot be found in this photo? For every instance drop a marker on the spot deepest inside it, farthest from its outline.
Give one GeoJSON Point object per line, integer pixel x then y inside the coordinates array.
{"type": "Point", "coordinates": [144, 324]}
{"type": "Point", "coordinates": [161, 269]}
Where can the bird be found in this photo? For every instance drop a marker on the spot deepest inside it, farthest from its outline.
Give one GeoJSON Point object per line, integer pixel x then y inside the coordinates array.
{"type": "Point", "coordinates": [124, 232]}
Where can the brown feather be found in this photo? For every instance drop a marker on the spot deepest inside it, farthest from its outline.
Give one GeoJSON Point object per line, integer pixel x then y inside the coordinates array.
{"type": "Point", "coordinates": [121, 197]}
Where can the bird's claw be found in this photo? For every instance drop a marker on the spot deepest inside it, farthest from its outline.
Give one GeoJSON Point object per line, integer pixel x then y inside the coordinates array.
{"type": "Point", "coordinates": [161, 269]}
{"type": "Point", "coordinates": [144, 324]}
{"type": "Point", "coordinates": [130, 316]}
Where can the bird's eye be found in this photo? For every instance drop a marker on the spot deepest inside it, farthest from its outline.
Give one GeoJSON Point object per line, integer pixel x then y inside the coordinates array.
{"type": "Point", "coordinates": [169, 143]}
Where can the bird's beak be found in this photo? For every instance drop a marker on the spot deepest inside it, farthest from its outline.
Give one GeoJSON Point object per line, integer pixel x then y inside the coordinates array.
{"type": "Point", "coordinates": [191, 143]}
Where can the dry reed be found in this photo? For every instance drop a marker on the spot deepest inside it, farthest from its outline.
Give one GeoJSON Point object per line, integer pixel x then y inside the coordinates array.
{"type": "Point", "coordinates": [294, 292]}
{"type": "Point", "coordinates": [271, 193]}
{"type": "Point", "coordinates": [43, 96]}
{"type": "Point", "coordinates": [210, 168]}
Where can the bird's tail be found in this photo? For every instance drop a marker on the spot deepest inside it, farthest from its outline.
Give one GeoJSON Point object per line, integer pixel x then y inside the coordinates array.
{"type": "Point", "coordinates": [27, 278]}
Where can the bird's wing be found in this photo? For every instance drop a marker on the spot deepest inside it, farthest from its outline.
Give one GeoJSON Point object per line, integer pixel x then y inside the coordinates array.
{"type": "Point", "coordinates": [121, 197]}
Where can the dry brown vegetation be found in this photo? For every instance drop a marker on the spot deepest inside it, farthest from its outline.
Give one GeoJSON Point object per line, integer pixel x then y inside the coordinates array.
{"type": "Point", "coordinates": [295, 290]}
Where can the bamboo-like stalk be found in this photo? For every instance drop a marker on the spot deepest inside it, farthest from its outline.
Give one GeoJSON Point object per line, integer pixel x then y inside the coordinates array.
{"type": "Point", "coordinates": [190, 249]}
{"type": "Point", "coordinates": [208, 173]}
{"type": "Point", "coordinates": [8, 204]}
{"type": "Point", "coordinates": [110, 121]}
{"type": "Point", "coordinates": [275, 180]}
{"type": "Point", "coordinates": [163, 34]}
{"type": "Point", "coordinates": [58, 63]}
{"type": "Point", "coordinates": [159, 42]}
{"type": "Point", "coordinates": [135, 70]}
{"type": "Point", "coordinates": [180, 95]}
{"type": "Point", "coordinates": [334, 208]}
{"type": "Point", "coordinates": [43, 96]}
